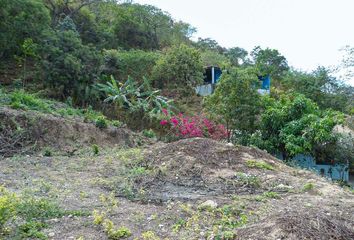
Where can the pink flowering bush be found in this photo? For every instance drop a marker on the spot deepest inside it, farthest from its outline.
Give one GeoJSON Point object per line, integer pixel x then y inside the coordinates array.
{"type": "Point", "coordinates": [182, 126]}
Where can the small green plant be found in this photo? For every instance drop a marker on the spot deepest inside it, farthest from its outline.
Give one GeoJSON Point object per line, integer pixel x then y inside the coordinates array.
{"type": "Point", "coordinates": [108, 226]}
{"type": "Point", "coordinates": [271, 195]}
{"type": "Point", "coordinates": [116, 123]}
{"type": "Point", "coordinates": [114, 233]}
{"type": "Point", "coordinates": [149, 235]}
{"type": "Point", "coordinates": [149, 133]}
{"type": "Point", "coordinates": [308, 187]}
{"type": "Point", "coordinates": [259, 164]}
{"type": "Point", "coordinates": [47, 152]}
{"type": "Point", "coordinates": [179, 225]}
{"type": "Point", "coordinates": [228, 235]}
{"type": "Point", "coordinates": [101, 122]}
{"type": "Point", "coordinates": [119, 233]}
{"type": "Point", "coordinates": [39, 208]}
{"type": "Point", "coordinates": [248, 180]}
{"type": "Point", "coordinates": [95, 149]}
{"type": "Point", "coordinates": [8, 203]}
{"type": "Point", "coordinates": [138, 171]}
{"type": "Point", "coordinates": [32, 230]}
{"type": "Point", "coordinates": [98, 217]}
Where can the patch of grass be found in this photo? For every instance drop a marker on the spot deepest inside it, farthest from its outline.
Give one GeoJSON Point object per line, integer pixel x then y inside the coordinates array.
{"type": "Point", "coordinates": [138, 171]}
{"type": "Point", "coordinates": [20, 99]}
{"type": "Point", "coordinates": [95, 149]}
{"type": "Point", "coordinates": [308, 187]}
{"type": "Point", "coordinates": [259, 164]}
{"type": "Point", "coordinates": [271, 195]}
{"type": "Point", "coordinates": [178, 225]}
{"type": "Point", "coordinates": [24, 216]}
{"type": "Point", "coordinates": [47, 152]}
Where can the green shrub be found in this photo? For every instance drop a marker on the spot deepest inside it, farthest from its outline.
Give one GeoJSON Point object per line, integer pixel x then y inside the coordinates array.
{"type": "Point", "coordinates": [248, 180]}
{"type": "Point", "coordinates": [95, 149]}
{"type": "Point", "coordinates": [38, 208]}
{"type": "Point", "coordinates": [259, 164]}
{"type": "Point", "coordinates": [308, 187]}
{"type": "Point", "coordinates": [8, 203]}
{"type": "Point", "coordinates": [26, 101]}
{"type": "Point", "coordinates": [116, 123]}
{"type": "Point", "coordinates": [101, 122]}
{"type": "Point", "coordinates": [149, 133]}
{"type": "Point", "coordinates": [119, 233]}
{"type": "Point", "coordinates": [47, 152]}
{"type": "Point", "coordinates": [271, 195]}
{"type": "Point", "coordinates": [32, 230]}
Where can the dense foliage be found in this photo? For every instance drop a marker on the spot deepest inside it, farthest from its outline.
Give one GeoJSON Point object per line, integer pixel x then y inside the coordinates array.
{"type": "Point", "coordinates": [295, 125]}
{"type": "Point", "coordinates": [236, 100]}
{"type": "Point", "coordinates": [181, 66]}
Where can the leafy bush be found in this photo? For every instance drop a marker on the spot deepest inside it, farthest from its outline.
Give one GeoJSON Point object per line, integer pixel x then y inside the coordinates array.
{"type": "Point", "coordinates": [108, 226]}
{"type": "Point", "coordinates": [149, 133]}
{"type": "Point", "coordinates": [117, 123]}
{"type": "Point", "coordinates": [133, 63]}
{"type": "Point", "coordinates": [47, 152]}
{"type": "Point", "coordinates": [95, 149]}
{"type": "Point", "coordinates": [182, 126]}
{"type": "Point", "coordinates": [180, 66]}
{"type": "Point", "coordinates": [70, 68]}
{"type": "Point", "coordinates": [236, 100]}
{"type": "Point", "coordinates": [248, 180]}
{"type": "Point", "coordinates": [308, 187]}
{"type": "Point", "coordinates": [141, 100]}
{"type": "Point", "coordinates": [101, 122]}
{"type": "Point", "coordinates": [8, 203]}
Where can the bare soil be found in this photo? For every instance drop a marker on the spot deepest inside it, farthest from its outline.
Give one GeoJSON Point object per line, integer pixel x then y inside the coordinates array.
{"type": "Point", "coordinates": [159, 188]}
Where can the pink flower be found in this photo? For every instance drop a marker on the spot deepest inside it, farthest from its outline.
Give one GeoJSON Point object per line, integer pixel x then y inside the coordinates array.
{"type": "Point", "coordinates": [165, 112]}
{"type": "Point", "coordinates": [174, 121]}
{"type": "Point", "coordinates": [163, 122]}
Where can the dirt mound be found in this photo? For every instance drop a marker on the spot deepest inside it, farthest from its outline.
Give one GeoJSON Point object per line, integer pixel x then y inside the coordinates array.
{"type": "Point", "coordinates": [299, 225]}
{"type": "Point", "coordinates": [22, 131]}
{"type": "Point", "coordinates": [197, 168]}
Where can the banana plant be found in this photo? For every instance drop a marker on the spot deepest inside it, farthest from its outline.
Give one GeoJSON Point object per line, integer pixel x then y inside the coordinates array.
{"type": "Point", "coordinates": [135, 97]}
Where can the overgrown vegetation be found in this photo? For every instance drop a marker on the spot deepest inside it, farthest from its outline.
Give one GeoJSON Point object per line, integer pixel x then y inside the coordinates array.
{"type": "Point", "coordinates": [32, 212]}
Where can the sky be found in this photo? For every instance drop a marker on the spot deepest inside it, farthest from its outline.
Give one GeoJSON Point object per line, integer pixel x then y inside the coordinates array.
{"type": "Point", "coordinates": [309, 33]}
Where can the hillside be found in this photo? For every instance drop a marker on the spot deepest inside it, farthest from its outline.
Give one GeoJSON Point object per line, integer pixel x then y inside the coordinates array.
{"type": "Point", "coordinates": [190, 189]}
{"type": "Point", "coordinates": [118, 122]}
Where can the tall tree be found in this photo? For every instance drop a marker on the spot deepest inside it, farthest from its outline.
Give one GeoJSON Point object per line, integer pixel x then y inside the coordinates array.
{"type": "Point", "coordinates": [237, 56]}
{"type": "Point", "coordinates": [20, 20]}
{"type": "Point", "coordinates": [269, 61]}
{"type": "Point", "coordinates": [294, 124]}
{"type": "Point", "coordinates": [236, 100]}
{"type": "Point", "coordinates": [180, 66]}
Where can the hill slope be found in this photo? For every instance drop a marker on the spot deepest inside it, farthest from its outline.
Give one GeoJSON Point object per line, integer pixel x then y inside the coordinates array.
{"type": "Point", "coordinates": [190, 189]}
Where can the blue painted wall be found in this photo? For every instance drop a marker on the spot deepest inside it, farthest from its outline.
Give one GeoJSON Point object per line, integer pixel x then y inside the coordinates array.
{"type": "Point", "coordinates": [265, 82]}
{"type": "Point", "coordinates": [334, 172]}
{"type": "Point", "coordinates": [217, 74]}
